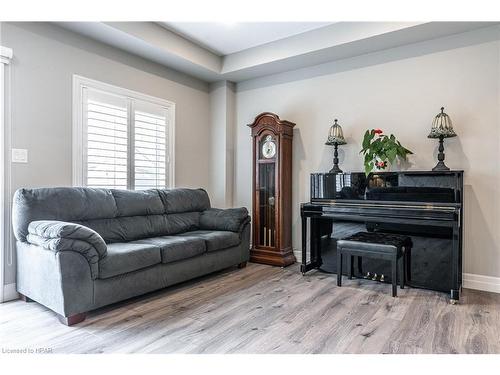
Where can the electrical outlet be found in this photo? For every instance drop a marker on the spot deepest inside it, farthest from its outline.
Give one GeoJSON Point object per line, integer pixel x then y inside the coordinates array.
{"type": "Point", "coordinates": [19, 155]}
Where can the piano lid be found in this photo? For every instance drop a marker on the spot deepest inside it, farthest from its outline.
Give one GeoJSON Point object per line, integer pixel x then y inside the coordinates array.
{"type": "Point", "coordinates": [404, 186]}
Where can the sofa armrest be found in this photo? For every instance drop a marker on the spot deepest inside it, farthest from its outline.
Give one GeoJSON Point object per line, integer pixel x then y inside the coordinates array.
{"type": "Point", "coordinates": [230, 219]}
{"type": "Point", "coordinates": [61, 236]}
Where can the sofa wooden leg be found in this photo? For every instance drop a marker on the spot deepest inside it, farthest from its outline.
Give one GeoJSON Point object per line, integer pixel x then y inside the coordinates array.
{"type": "Point", "coordinates": [72, 320]}
{"type": "Point", "coordinates": [242, 265]}
{"type": "Point", "coordinates": [24, 298]}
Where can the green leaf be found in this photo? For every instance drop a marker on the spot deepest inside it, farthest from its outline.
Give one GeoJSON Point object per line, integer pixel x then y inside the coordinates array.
{"type": "Point", "coordinates": [366, 140]}
{"type": "Point", "coordinates": [368, 168]}
{"type": "Point", "coordinates": [391, 154]}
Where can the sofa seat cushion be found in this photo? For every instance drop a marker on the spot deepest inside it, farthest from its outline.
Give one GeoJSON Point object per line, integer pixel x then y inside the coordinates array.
{"type": "Point", "coordinates": [123, 257]}
{"type": "Point", "coordinates": [174, 248]}
{"type": "Point", "coordinates": [215, 239]}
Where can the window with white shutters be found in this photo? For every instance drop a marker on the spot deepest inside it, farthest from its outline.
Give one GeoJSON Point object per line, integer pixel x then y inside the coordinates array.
{"type": "Point", "coordinates": [124, 138]}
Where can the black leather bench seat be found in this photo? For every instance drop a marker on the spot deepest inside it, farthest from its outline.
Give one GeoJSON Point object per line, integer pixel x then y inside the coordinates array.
{"type": "Point", "coordinates": [372, 240]}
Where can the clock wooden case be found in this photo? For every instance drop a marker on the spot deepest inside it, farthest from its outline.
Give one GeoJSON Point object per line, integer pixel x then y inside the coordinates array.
{"type": "Point", "coordinates": [272, 191]}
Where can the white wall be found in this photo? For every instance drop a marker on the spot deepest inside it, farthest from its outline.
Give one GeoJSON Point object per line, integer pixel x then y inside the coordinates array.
{"type": "Point", "coordinates": [400, 91]}
{"type": "Point", "coordinates": [45, 58]}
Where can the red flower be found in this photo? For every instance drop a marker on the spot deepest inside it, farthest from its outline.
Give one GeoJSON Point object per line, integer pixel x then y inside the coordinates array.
{"type": "Point", "coordinates": [378, 131]}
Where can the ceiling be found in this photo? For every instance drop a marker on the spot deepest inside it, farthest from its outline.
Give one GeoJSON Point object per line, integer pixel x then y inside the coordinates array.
{"type": "Point", "coordinates": [215, 52]}
{"type": "Point", "coordinates": [224, 38]}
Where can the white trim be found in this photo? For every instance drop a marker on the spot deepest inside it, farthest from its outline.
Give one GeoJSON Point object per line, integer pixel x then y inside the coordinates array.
{"type": "Point", "coordinates": [79, 84]}
{"type": "Point", "coordinates": [298, 255]}
{"type": "Point", "coordinates": [5, 54]}
{"type": "Point", "coordinates": [77, 146]}
{"type": "Point", "coordinates": [171, 146]}
{"type": "Point", "coordinates": [130, 142]}
{"type": "Point", "coordinates": [10, 292]}
{"type": "Point", "coordinates": [480, 282]}
{"type": "Point", "coordinates": [5, 188]}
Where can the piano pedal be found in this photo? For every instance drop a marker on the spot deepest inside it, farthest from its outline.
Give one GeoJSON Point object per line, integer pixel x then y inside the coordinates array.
{"type": "Point", "coordinates": [374, 277]}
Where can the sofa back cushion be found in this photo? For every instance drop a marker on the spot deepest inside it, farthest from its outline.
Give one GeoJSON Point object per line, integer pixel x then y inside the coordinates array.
{"type": "Point", "coordinates": [137, 203]}
{"type": "Point", "coordinates": [117, 215]}
{"type": "Point", "coordinates": [184, 200]}
{"type": "Point", "coordinates": [62, 203]}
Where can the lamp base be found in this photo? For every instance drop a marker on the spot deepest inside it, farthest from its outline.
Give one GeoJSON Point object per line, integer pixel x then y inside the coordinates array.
{"type": "Point", "coordinates": [335, 169]}
{"type": "Point", "coordinates": [440, 166]}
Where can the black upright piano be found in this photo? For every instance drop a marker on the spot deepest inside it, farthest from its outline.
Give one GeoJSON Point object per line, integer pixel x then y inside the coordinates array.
{"type": "Point", "coordinates": [426, 205]}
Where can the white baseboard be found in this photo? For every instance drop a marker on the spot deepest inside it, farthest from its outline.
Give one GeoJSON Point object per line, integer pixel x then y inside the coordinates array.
{"type": "Point", "coordinates": [480, 282]}
{"type": "Point", "coordinates": [298, 255]}
{"type": "Point", "coordinates": [10, 292]}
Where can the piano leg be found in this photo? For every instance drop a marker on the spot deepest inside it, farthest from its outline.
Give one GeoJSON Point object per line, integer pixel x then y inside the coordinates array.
{"type": "Point", "coordinates": [315, 244]}
{"type": "Point", "coordinates": [407, 256]}
{"type": "Point", "coordinates": [339, 268]}
{"type": "Point", "coordinates": [394, 276]}
{"type": "Point", "coordinates": [402, 272]}
{"type": "Point", "coordinates": [350, 266]}
{"type": "Point", "coordinates": [360, 266]}
{"type": "Point", "coordinates": [454, 296]}
{"type": "Point", "coordinates": [304, 245]}
{"type": "Point", "coordinates": [456, 261]}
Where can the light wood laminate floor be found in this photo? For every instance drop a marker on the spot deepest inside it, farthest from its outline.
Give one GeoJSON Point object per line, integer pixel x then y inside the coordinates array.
{"type": "Point", "coordinates": [262, 309]}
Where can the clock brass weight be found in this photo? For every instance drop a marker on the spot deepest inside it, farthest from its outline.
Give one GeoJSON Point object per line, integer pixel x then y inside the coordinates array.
{"type": "Point", "coordinates": [272, 191]}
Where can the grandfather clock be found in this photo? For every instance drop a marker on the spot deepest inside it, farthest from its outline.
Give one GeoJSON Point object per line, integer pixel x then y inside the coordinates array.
{"type": "Point", "coordinates": [272, 191]}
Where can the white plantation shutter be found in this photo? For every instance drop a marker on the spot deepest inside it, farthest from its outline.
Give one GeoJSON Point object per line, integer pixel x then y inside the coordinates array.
{"type": "Point", "coordinates": [150, 146]}
{"type": "Point", "coordinates": [124, 140]}
{"type": "Point", "coordinates": [107, 140]}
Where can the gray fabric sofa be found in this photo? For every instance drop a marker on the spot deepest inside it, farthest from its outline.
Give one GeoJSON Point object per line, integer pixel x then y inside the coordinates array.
{"type": "Point", "coordinates": [81, 248]}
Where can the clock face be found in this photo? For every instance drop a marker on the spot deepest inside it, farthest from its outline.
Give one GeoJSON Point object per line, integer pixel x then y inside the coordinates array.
{"type": "Point", "coordinates": [269, 148]}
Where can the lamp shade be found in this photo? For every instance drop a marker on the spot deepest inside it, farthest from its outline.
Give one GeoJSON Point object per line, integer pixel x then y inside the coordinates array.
{"type": "Point", "coordinates": [442, 126]}
{"type": "Point", "coordinates": [335, 135]}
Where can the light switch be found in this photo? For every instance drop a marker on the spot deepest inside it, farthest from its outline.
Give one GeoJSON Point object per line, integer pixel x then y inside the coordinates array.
{"type": "Point", "coordinates": [19, 155]}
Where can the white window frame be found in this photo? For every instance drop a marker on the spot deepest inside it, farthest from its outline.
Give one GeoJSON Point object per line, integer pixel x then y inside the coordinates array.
{"type": "Point", "coordinates": [79, 130]}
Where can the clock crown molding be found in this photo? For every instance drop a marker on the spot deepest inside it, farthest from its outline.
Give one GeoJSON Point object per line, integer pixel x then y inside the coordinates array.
{"type": "Point", "coordinates": [271, 121]}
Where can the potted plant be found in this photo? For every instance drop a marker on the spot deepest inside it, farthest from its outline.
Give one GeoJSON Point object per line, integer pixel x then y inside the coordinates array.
{"type": "Point", "coordinates": [380, 150]}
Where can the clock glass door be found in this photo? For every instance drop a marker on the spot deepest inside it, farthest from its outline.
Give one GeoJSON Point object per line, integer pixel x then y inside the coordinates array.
{"type": "Point", "coordinates": [267, 206]}
{"type": "Point", "coordinates": [267, 188]}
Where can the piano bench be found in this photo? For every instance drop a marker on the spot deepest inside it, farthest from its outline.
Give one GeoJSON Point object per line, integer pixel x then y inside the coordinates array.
{"type": "Point", "coordinates": [392, 247]}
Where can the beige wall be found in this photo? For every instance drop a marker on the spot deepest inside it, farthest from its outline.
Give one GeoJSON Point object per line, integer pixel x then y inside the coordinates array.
{"type": "Point", "coordinates": [400, 91]}
{"type": "Point", "coordinates": [222, 122]}
{"type": "Point", "coordinates": [45, 59]}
